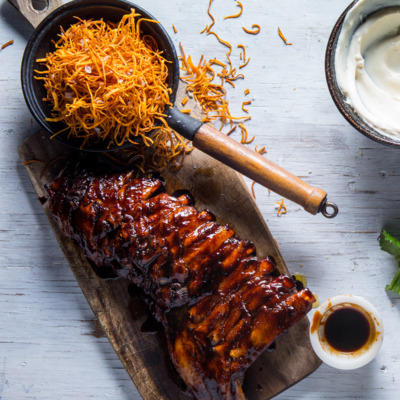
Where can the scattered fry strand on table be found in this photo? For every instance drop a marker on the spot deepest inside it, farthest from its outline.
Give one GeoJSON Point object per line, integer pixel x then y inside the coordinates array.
{"type": "Point", "coordinates": [255, 31]}
{"type": "Point", "coordinates": [208, 27]}
{"type": "Point", "coordinates": [231, 130]}
{"type": "Point", "coordinates": [238, 14]}
{"type": "Point", "coordinates": [225, 75]}
{"type": "Point", "coordinates": [243, 52]}
{"type": "Point", "coordinates": [262, 151]}
{"type": "Point", "coordinates": [282, 208]}
{"type": "Point", "coordinates": [244, 139]}
{"type": "Point", "coordinates": [220, 63]}
{"type": "Point", "coordinates": [228, 45]}
{"type": "Point", "coordinates": [252, 189]}
{"type": "Point", "coordinates": [283, 37]}
{"type": "Point", "coordinates": [9, 43]}
{"type": "Point", "coordinates": [246, 103]}
{"type": "Point", "coordinates": [244, 64]}
{"type": "Point", "coordinates": [243, 56]}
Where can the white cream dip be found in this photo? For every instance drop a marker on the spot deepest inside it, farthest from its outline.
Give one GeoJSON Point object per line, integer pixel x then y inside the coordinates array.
{"type": "Point", "coordinates": [367, 63]}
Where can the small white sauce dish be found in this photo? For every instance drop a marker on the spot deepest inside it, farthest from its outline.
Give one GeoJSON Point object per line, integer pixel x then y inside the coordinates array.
{"type": "Point", "coordinates": [346, 360]}
{"type": "Point", "coordinates": [362, 68]}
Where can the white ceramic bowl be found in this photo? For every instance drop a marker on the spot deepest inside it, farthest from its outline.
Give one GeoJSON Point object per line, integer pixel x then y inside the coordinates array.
{"type": "Point", "coordinates": [346, 360]}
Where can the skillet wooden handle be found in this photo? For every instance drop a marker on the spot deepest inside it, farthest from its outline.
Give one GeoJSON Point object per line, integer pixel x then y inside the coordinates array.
{"type": "Point", "coordinates": [251, 164]}
{"type": "Point", "coordinates": [33, 15]}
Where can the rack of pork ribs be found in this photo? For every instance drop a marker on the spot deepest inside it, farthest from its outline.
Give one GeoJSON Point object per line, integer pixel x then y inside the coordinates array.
{"type": "Point", "coordinates": [234, 305]}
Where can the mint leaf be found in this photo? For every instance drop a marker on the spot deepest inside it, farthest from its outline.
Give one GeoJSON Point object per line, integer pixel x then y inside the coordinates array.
{"type": "Point", "coordinates": [395, 284]}
{"type": "Point", "coordinates": [390, 244]}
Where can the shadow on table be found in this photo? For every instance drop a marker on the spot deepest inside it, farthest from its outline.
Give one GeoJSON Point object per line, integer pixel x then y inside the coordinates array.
{"type": "Point", "coordinates": [11, 16]}
{"type": "Point", "coordinates": [353, 381]}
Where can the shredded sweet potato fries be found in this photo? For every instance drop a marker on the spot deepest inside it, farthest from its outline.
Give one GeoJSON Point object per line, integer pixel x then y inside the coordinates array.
{"type": "Point", "coordinates": [238, 14]}
{"type": "Point", "coordinates": [283, 37]}
{"type": "Point", "coordinates": [244, 139]}
{"type": "Point", "coordinates": [252, 189]}
{"type": "Point", "coordinates": [281, 207]}
{"type": "Point", "coordinates": [210, 95]}
{"type": "Point", "coordinates": [208, 27]}
{"type": "Point", "coordinates": [261, 151]}
{"type": "Point", "coordinates": [200, 78]}
{"type": "Point", "coordinates": [245, 103]}
{"type": "Point", "coordinates": [243, 56]}
{"type": "Point", "coordinates": [108, 84]}
{"type": "Point", "coordinates": [256, 29]}
{"type": "Point", "coordinates": [9, 43]}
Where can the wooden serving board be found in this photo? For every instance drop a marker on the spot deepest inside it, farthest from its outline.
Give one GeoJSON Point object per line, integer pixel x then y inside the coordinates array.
{"type": "Point", "coordinates": [144, 355]}
{"type": "Point", "coordinates": [222, 191]}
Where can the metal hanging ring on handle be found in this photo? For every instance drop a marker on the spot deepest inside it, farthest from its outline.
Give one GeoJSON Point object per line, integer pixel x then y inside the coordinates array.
{"type": "Point", "coordinates": [329, 209]}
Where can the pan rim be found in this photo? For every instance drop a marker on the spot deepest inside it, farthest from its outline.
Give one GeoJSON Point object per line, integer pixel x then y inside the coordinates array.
{"type": "Point", "coordinates": [28, 63]}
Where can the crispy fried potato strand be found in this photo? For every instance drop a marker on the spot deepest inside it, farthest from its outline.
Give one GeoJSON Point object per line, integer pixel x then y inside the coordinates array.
{"type": "Point", "coordinates": [256, 29]}
{"type": "Point", "coordinates": [210, 95]}
{"type": "Point", "coordinates": [283, 37]}
{"type": "Point", "coordinates": [108, 83]}
{"type": "Point", "coordinates": [238, 14]}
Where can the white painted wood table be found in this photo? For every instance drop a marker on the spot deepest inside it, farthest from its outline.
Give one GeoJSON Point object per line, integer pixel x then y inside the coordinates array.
{"type": "Point", "coordinates": [51, 347]}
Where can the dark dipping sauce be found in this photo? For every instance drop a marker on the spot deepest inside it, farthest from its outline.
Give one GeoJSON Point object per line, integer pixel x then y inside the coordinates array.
{"type": "Point", "coordinates": [347, 329]}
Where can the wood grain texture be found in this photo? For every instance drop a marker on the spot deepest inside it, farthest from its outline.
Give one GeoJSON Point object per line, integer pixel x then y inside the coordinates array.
{"type": "Point", "coordinates": [51, 346]}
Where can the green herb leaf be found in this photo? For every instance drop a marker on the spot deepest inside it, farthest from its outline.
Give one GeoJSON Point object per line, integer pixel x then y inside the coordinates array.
{"type": "Point", "coordinates": [395, 284]}
{"type": "Point", "coordinates": [390, 244]}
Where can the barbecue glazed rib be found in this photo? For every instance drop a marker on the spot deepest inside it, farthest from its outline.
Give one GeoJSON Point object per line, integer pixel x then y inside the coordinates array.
{"type": "Point", "coordinates": [233, 304]}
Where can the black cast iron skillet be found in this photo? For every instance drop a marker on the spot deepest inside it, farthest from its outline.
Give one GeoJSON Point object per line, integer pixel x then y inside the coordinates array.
{"type": "Point", "coordinates": [204, 136]}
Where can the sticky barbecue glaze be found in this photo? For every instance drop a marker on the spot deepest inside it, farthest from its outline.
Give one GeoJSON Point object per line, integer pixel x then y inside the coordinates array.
{"type": "Point", "coordinates": [220, 305]}
{"type": "Point", "coordinates": [347, 329]}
